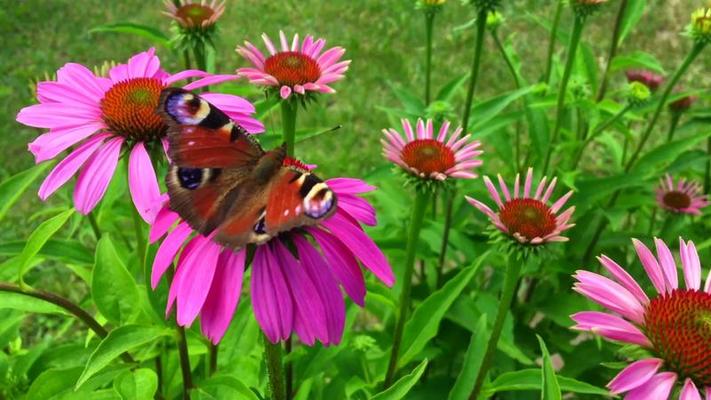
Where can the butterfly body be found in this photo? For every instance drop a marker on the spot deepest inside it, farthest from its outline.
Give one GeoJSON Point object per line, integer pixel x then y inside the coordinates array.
{"type": "Point", "coordinates": [223, 184]}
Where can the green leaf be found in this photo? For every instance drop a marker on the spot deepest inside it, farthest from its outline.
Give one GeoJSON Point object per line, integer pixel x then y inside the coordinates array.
{"type": "Point", "coordinates": [550, 389]}
{"type": "Point", "coordinates": [413, 104]}
{"type": "Point", "coordinates": [472, 362]}
{"type": "Point", "coordinates": [118, 341]}
{"type": "Point", "coordinates": [12, 188]}
{"type": "Point", "coordinates": [140, 384]}
{"type": "Point", "coordinates": [530, 379]}
{"type": "Point", "coordinates": [52, 382]}
{"type": "Point", "coordinates": [632, 15]}
{"type": "Point", "coordinates": [424, 323]}
{"type": "Point", "coordinates": [113, 288]}
{"type": "Point", "coordinates": [236, 388]}
{"type": "Point", "coordinates": [21, 302]}
{"type": "Point", "coordinates": [400, 388]}
{"type": "Point", "coordinates": [68, 251]}
{"type": "Point", "coordinates": [483, 112]}
{"type": "Point", "coordinates": [638, 59]}
{"type": "Point", "coordinates": [648, 164]}
{"type": "Point", "coordinates": [451, 87]}
{"type": "Point", "coordinates": [152, 34]}
{"type": "Point", "coordinates": [39, 237]}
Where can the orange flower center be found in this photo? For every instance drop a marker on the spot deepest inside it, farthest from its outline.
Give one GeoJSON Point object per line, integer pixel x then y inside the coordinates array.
{"type": "Point", "coordinates": [679, 326]}
{"type": "Point", "coordinates": [194, 14]}
{"type": "Point", "coordinates": [528, 217]}
{"type": "Point", "coordinates": [428, 156]}
{"type": "Point", "coordinates": [677, 200]}
{"type": "Point", "coordinates": [292, 68]}
{"type": "Point", "coordinates": [129, 109]}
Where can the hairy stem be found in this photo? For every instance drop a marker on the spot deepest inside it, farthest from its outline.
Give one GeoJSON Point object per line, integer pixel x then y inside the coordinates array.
{"type": "Point", "coordinates": [184, 361]}
{"type": "Point", "coordinates": [422, 199]}
{"type": "Point", "coordinates": [288, 120]}
{"type": "Point", "coordinates": [272, 356]}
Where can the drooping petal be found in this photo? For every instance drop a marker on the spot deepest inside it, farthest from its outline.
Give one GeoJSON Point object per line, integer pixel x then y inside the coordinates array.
{"type": "Point", "coordinates": [658, 387]}
{"type": "Point", "coordinates": [666, 261]}
{"type": "Point", "coordinates": [162, 222]}
{"type": "Point", "coordinates": [610, 326]}
{"type": "Point", "coordinates": [343, 264]}
{"type": "Point", "coordinates": [651, 266]}
{"type": "Point", "coordinates": [224, 295]}
{"type": "Point", "coordinates": [271, 297]}
{"type": "Point", "coordinates": [349, 186]}
{"type": "Point", "coordinates": [96, 174]}
{"type": "Point", "coordinates": [635, 375]}
{"type": "Point", "coordinates": [167, 251]}
{"type": "Point", "coordinates": [194, 274]}
{"type": "Point", "coordinates": [689, 391]}
{"type": "Point", "coordinates": [143, 183]}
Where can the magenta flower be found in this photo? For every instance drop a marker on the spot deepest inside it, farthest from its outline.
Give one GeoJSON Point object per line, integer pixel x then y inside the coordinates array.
{"type": "Point", "coordinates": [528, 219]}
{"type": "Point", "coordinates": [194, 15]}
{"type": "Point", "coordinates": [647, 78]}
{"type": "Point", "coordinates": [100, 116]}
{"type": "Point", "coordinates": [289, 293]}
{"type": "Point", "coordinates": [683, 197]}
{"type": "Point", "coordinates": [427, 157]}
{"type": "Point", "coordinates": [673, 326]}
{"type": "Point", "coordinates": [682, 104]}
{"type": "Point", "coordinates": [297, 67]}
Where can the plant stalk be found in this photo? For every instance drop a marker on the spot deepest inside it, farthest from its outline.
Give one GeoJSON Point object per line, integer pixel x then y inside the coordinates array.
{"type": "Point", "coordinates": [598, 130]}
{"type": "Point", "coordinates": [614, 44]}
{"type": "Point", "coordinates": [429, 24]}
{"type": "Point", "coordinates": [513, 270]}
{"type": "Point", "coordinates": [422, 199]}
{"type": "Point", "coordinates": [448, 208]}
{"type": "Point", "coordinates": [184, 361]}
{"type": "Point", "coordinates": [272, 356]}
{"type": "Point", "coordinates": [476, 62]}
{"type": "Point", "coordinates": [675, 117]}
{"type": "Point", "coordinates": [578, 25]}
{"type": "Point", "coordinates": [288, 120]}
{"type": "Point", "coordinates": [94, 226]}
{"type": "Point", "coordinates": [517, 82]}
{"type": "Point", "coordinates": [214, 351]}
{"type": "Point", "coordinates": [707, 175]}
{"type": "Point", "coordinates": [551, 42]}
{"type": "Point", "coordinates": [289, 374]}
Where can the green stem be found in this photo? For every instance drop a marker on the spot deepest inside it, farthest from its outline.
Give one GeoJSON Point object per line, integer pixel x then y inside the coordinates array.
{"type": "Point", "coordinates": [289, 374]}
{"type": "Point", "coordinates": [141, 247]}
{"type": "Point", "coordinates": [429, 23]}
{"type": "Point", "coordinates": [422, 199]}
{"type": "Point", "coordinates": [614, 44]}
{"type": "Point", "coordinates": [707, 175]}
{"type": "Point", "coordinates": [476, 62]}
{"type": "Point", "coordinates": [695, 51]}
{"type": "Point", "coordinates": [159, 374]}
{"type": "Point", "coordinates": [449, 205]}
{"type": "Point", "coordinates": [288, 120]}
{"type": "Point", "coordinates": [213, 350]}
{"type": "Point", "coordinates": [551, 42]}
{"type": "Point", "coordinates": [598, 130]}
{"type": "Point", "coordinates": [652, 221]}
{"type": "Point", "coordinates": [517, 82]}
{"type": "Point", "coordinates": [184, 361]}
{"type": "Point", "coordinates": [94, 226]}
{"type": "Point", "coordinates": [513, 270]}
{"type": "Point", "coordinates": [272, 356]}
{"type": "Point", "coordinates": [578, 25]}
{"type": "Point", "coordinates": [186, 59]}
{"type": "Point", "coordinates": [675, 117]}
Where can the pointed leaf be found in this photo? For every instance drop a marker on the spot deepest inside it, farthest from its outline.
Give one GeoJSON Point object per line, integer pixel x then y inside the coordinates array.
{"type": "Point", "coordinates": [140, 384]}
{"type": "Point", "coordinates": [113, 288]}
{"type": "Point", "coordinates": [152, 34]}
{"type": "Point", "coordinates": [12, 188]}
{"type": "Point", "coordinates": [550, 389]}
{"type": "Point", "coordinates": [400, 388]}
{"type": "Point", "coordinates": [472, 362]}
{"type": "Point", "coordinates": [39, 237]}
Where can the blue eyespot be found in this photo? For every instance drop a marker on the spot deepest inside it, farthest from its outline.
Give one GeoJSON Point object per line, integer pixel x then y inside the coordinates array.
{"type": "Point", "coordinates": [190, 178]}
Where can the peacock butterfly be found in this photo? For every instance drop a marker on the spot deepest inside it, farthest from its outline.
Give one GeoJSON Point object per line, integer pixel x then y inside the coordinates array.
{"type": "Point", "coordinates": [222, 183]}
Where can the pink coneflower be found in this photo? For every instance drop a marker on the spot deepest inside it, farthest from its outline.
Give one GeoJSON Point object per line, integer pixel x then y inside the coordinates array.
{"type": "Point", "coordinates": [647, 78]}
{"type": "Point", "coordinates": [195, 15]}
{"type": "Point", "coordinates": [528, 219]}
{"type": "Point", "coordinates": [683, 104]}
{"type": "Point", "coordinates": [297, 67]}
{"type": "Point", "coordinates": [427, 157]}
{"type": "Point", "coordinates": [683, 197]}
{"type": "Point", "coordinates": [100, 116]}
{"type": "Point", "coordinates": [675, 325]}
{"type": "Point", "coordinates": [291, 292]}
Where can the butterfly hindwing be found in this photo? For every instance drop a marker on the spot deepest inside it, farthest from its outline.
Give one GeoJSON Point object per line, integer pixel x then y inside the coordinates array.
{"type": "Point", "coordinates": [201, 136]}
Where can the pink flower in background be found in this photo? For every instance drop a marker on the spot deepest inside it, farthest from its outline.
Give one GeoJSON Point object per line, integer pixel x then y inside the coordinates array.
{"type": "Point", "coordinates": [194, 15]}
{"type": "Point", "coordinates": [683, 197]}
{"type": "Point", "coordinates": [289, 293]}
{"type": "Point", "coordinates": [674, 325]}
{"type": "Point", "coordinates": [526, 216]}
{"type": "Point", "coordinates": [683, 104]}
{"type": "Point", "coordinates": [647, 78]}
{"type": "Point", "coordinates": [298, 67]}
{"type": "Point", "coordinates": [98, 116]}
{"type": "Point", "coordinates": [426, 156]}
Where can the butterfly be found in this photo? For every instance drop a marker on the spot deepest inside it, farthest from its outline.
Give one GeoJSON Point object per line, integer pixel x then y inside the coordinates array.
{"type": "Point", "coordinates": [222, 183]}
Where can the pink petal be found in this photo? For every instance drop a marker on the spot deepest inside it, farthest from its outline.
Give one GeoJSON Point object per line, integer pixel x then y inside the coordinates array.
{"type": "Point", "coordinates": [187, 74]}
{"type": "Point", "coordinates": [285, 92]}
{"type": "Point", "coordinates": [609, 294]}
{"type": "Point", "coordinates": [610, 326]}
{"type": "Point", "coordinates": [624, 278]}
{"type": "Point", "coordinates": [666, 260]}
{"type": "Point", "coordinates": [651, 266]}
{"type": "Point", "coordinates": [163, 221]}
{"type": "Point", "coordinates": [271, 297]}
{"type": "Point", "coordinates": [96, 175]}
{"type": "Point", "coordinates": [50, 144]}
{"type": "Point", "coordinates": [690, 264]}
{"type": "Point", "coordinates": [223, 298]}
{"type": "Point", "coordinates": [69, 166]}
{"type": "Point", "coordinates": [658, 387]}
{"type": "Point", "coordinates": [689, 391]}
{"type": "Point", "coordinates": [357, 208]}
{"type": "Point", "coordinates": [81, 78]}
{"type": "Point", "coordinates": [167, 251]}
{"type": "Point", "coordinates": [194, 275]}
{"type": "Point", "coordinates": [209, 80]}
{"type": "Point", "coordinates": [349, 186]}
{"type": "Point", "coordinates": [362, 247]}
{"type": "Point", "coordinates": [342, 263]}
{"type": "Point", "coordinates": [635, 375]}
{"type": "Point", "coordinates": [143, 183]}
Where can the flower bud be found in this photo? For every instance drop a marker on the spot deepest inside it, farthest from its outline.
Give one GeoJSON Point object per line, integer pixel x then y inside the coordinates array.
{"type": "Point", "coordinates": [647, 78]}
{"type": "Point", "coordinates": [638, 93]}
{"type": "Point", "coordinates": [494, 19]}
{"type": "Point", "coordinates": [585, 8]}
{"type": "Point", "coordinates": [700, 27]}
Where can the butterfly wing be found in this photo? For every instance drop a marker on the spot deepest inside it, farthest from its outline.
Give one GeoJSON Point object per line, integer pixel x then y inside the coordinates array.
{"type": "Point", "coordinates": [200, 135]}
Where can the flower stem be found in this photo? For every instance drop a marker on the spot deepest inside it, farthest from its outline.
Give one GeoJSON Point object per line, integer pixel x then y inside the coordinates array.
{"type": "Point", "coordinates": [445, 235]}
{"type": "Point", "coordinates": [578, 25]}
{"type": "Point", "coordinates": [213, 350]}
{"type": "Point", "coordinates": [288, 120]}
{"type": "Point", "coordinates": [551, 42]}
{"type": "Point", "coordinates": [675, 117]}
{"type": "Point", "coordinates": [289, 374]}
{"type": "Point", "coordinates": [598, 130]}
{"type": "Point", "coordinates": [517, 82]}
{"type": "Point", "coordinates": [140, 239]}
{"type": "Point", "coordinates": [429, 23]}
{"type": "Point", "coordinates": [474, 76]}
{"type": "Point", "coordinates": [513, 270]}
{"type": "Point", "coordinates": [614, 44]}
{"type": "Point", "coordinates": [184, 361]}
{"type": "Point", "coordinates": [94, 226]}
{"type": "Point", "coordinates": [422, 199]}
{"type": "Point", "coordinates": [652, 221]}
{"type": "Point", "coordinates": [695, 51]}
{"type": "Point", "coordinates": [272, 356]}
{"type": "Point", "coordinates": [186, 59]}
{"type": "Point", "coordinates": [707, 175]}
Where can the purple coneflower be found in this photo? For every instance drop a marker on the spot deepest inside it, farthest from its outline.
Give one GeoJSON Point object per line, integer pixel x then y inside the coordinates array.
{"type": "Point", "coordinates": [100, 116]}
{"type": "Point", "coordinates": [295, 291]}
{"type": "Point", "coordinates": [674, 325]}
{"type": "Point", "coordinates": [683, 197]}
{"type": "Point", "coordinates": [195, 15]}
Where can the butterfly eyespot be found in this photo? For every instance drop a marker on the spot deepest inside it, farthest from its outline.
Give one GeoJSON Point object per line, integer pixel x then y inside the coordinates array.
{"type": "Point", "coordinates": [190, 178]}
{"type": "Point", "coordinates": [319, 201]}
{"type": "Point", "coordinates": [260, 227]}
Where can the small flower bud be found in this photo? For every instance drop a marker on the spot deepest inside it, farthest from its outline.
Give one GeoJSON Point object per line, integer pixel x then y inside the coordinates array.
{"type": "Point", "coordinates": [637, 93]}
{"type": "Point", "coordinates": [485, 5]}
{"type": "Point", "coordinates": [585, 8]}
{"type": "Point", "coordinates": [700, 27]}
{"type": "Point", "coordinates": [647, 78]}
{"type": "Point", "coordinates": [681, 105]}
{"type": "Point", "coordinates": [494, 19]}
